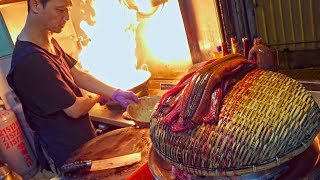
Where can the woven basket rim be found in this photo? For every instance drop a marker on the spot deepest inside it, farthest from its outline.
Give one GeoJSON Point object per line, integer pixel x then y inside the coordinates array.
{"type": "Point", "coordinates": [240, 170]}
{"type": "Point", "coordinates": [282, 132]}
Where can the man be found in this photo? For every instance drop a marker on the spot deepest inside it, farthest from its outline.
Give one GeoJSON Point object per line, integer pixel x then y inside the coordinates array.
{"type": "Point", "coordinates": [47, 82]}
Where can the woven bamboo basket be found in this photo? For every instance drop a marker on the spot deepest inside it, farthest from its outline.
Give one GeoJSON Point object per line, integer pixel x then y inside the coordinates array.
{"type": "Point", "coordinates": [265, 120]}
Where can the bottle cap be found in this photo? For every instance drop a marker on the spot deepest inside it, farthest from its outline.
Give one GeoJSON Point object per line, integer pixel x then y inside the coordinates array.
{"type": "Point", "coordinates": [233, 40]}
{"type": "Point", "coordinates": [219, 48]}
{"type": "Point", "coordinates": [257, 41]}
{"type": "Point", "coordinates": [245, 39]}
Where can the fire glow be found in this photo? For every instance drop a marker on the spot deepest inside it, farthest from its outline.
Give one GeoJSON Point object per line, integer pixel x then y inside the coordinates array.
{"type": "Point", "coordinates": [120, 37]}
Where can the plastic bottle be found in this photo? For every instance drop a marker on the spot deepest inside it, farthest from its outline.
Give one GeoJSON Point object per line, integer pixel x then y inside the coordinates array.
{"type": "Point", "coordinates": [262, 55]}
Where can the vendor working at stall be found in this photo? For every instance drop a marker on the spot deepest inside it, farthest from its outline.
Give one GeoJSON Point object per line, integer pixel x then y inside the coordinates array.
{"type": "Point", "coordinates": [47, 82]}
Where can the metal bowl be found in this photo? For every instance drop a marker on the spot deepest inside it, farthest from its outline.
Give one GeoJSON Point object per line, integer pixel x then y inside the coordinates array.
{"type": "Point", "coordinates": [140, 112]}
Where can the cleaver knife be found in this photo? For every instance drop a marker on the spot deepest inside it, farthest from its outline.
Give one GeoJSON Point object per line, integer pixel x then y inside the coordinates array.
{"type": "Point", "coordinates": [96, 165]}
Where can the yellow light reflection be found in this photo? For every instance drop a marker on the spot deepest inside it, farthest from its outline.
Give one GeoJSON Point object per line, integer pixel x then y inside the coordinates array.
{"type": "Point", "coordinates": [15, 21]}
{"type": "Point", "coordinates": [165, 35]}
{"type": "Point", "coordinates": [110, 55]}
{"type": "Point", "coordinates": [164, 42]}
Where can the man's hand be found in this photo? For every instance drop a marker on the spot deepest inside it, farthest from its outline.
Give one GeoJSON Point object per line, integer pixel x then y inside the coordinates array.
{"type": "Point", "coordinates": [124, 98]}
{"type": "Point", "coordinates": [103, 100]}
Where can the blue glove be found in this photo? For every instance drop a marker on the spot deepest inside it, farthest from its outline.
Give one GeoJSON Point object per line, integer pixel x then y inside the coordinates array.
{"type": "Point", "coordinates": [124, 98]}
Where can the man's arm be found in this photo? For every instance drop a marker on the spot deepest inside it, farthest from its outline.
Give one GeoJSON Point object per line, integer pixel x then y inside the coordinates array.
{"type": "Point", "coordinates": [88, 82]}
{"type": "Point", "coordinates": [81, 106]}
{"type": "Point", "coordinates": [84, 80]}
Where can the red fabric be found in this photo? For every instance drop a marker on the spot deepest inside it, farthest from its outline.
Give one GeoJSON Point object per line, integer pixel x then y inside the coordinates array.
{"type": "Point", "coordinates": [142, 173]}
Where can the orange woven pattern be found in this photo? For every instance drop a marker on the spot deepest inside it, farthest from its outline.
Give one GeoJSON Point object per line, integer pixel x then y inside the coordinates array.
{"type": "Point", "coordinates": [266, 119]}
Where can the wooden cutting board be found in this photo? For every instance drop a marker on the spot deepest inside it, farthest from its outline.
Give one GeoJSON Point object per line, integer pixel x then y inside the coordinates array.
{"type": "Point", "coordinates": [112, 144]}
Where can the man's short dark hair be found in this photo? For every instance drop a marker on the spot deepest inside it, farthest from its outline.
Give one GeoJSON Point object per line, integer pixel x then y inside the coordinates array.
{"type": "Point", "coordinates": [43, 2]}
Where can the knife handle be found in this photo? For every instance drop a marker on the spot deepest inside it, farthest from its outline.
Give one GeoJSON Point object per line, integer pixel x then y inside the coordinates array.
{"type": "Point", "coordinates": [76, 166]}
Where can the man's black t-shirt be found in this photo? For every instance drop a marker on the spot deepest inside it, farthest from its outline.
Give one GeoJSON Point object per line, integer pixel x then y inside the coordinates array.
{"type": "Point", "coordinates": [45, 86]}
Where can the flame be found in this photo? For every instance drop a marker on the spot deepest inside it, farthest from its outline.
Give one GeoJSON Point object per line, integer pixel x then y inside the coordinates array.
{"type": "Point", "coordinates": [112, 53]}
{"type": "Point", "coordinates": [165, 36]}
{"type": "Point", "coordinates": [144, 6]}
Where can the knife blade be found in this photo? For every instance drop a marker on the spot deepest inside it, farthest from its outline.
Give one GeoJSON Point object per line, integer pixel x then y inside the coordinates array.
{"type": "Point", "coordinates": [96, 165]}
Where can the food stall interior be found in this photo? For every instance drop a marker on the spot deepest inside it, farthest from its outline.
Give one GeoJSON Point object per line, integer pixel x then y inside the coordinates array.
{"type": "Point", "coordinates": [150, 45]}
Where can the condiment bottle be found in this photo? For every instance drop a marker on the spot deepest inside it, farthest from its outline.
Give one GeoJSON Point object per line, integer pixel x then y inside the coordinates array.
{"type": "Point", "coordinates": [246, 46]}
{"type": "Point", "coordinates": [224, 49]}
{"type": "Point", "coordinates": [234, 46]}
{"type": "Point", "coordinates": [262, 55]}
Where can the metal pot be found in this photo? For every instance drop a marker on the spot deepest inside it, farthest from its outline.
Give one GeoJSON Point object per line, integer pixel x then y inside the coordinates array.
{"type": "Point", "coordinates": [7, 174]}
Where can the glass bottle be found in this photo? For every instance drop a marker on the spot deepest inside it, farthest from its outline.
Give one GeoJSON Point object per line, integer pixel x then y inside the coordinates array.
{"type": "Point", "coordinates": [246, 46]}
{"type": "Point", "coordinates": [224, 49]}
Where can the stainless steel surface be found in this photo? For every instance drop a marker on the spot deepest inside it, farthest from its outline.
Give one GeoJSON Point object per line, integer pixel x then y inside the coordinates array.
{"type": "Point", "coordinates": [109, 116]}
{"type": "Point", "coordinates": [159, 168]}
